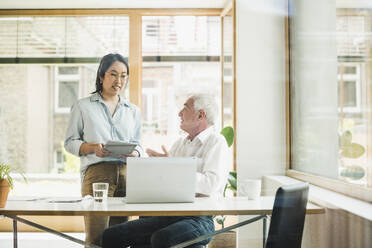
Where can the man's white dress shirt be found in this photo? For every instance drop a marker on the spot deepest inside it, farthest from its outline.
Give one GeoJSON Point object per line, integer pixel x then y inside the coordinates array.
{"type": "Point", "coordinates": [215, 159]}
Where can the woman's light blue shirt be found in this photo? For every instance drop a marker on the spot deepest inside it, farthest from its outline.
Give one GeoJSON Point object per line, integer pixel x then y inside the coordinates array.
{"type": "Point", "coordinates": [91, 121]}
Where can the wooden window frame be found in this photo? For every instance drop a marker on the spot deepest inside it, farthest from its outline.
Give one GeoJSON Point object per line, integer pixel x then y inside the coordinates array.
{"type": "Point", "coordinates": [229, 8]}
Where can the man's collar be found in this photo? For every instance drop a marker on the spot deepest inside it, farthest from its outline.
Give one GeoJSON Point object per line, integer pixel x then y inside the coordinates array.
{"type": "Point", "coordinates": [203, 135]}
{"type": "Point", "coordinates": [96, 97]}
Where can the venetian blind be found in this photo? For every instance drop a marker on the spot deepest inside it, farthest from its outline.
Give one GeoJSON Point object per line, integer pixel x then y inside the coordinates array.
{"type": "Point", "coordinates": [181, 35]}
{"type": "Point", "coordinates": [351, 36]}
{"type": "Point", "coordinates": [46, 37]}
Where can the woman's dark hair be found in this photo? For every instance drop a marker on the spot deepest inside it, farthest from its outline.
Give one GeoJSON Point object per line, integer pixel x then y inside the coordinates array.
{"type": "Point", "coordinates": [105, 63]}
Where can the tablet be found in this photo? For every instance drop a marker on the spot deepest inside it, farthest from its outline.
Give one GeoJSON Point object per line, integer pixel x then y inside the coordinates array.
{"type": "Point", "coordinates": [119, 147]}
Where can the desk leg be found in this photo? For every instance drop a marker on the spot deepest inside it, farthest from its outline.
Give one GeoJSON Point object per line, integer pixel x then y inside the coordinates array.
{"type": "Point", "coordinates": [15, 233]}
{"type": "Point", "coordinates": [46, 229]}
{"type": "Point", "coordinates": [264, 231]}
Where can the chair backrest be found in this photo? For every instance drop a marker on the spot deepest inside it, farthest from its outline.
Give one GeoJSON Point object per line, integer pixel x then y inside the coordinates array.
{"type": "Point", "coordinates": [288, 216]}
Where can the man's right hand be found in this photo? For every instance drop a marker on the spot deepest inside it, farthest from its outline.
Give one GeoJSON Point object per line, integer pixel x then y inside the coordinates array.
{"type": "Point", "coordinates": [153, 153]}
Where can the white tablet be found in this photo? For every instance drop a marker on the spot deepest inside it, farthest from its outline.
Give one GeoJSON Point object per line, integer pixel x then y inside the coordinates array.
{"type": "Point", "coordinates": [119, 147]}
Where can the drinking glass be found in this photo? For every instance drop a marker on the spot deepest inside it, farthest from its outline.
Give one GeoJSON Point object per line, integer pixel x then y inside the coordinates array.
{"type": "Point", "coordinates": [100, 191]}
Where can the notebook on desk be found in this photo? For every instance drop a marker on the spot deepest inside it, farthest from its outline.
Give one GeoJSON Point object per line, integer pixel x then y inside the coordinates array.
{"type": "Point", "coordinates": [160, 179]}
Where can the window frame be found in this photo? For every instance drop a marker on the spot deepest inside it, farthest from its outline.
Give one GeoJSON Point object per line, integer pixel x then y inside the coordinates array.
{"type": "Point", "coordinates": [150, 93]}
{"type": "Point", "coordinates": [353, 77]}
{"type": "Point", "coordinates": [69, 78]}
{"type": "Point", "coordinates": [229, 10]}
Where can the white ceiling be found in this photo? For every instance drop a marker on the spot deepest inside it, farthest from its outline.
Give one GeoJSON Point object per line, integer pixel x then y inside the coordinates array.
{"type": "Point", "coordinates": [70, 4]}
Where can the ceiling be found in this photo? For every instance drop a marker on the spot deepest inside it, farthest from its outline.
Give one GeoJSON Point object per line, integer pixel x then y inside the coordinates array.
{"type": "Point", "coordinates": [71, 4]}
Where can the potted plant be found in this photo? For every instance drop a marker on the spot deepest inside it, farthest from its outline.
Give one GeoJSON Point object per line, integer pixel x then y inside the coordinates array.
{"type": "Point", "coordinates": [227, 239]}
{"type": "Point", "coordinates": [6, 183]}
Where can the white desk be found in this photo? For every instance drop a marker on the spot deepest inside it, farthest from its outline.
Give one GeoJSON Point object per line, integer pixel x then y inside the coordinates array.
{"type": "Point", "coordinates": [117, 207]}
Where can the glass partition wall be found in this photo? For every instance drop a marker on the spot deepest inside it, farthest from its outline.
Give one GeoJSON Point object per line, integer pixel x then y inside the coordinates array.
{"type": "Point", "coordinates": [180, 57]}
{"type": "Point", "coordinates": [49, 62]}
{"type": "Point", "coordinates": [331, 82]}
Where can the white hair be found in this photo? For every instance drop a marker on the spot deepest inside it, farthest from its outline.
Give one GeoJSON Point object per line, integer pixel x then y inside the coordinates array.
{"type": "Point", "coordinates": [207, 103]}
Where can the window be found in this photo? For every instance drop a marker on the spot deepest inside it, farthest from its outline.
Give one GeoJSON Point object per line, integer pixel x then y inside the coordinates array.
{"type": "Point", "coordinates": [150, 106]}
{"type": "Point", "coordinates": [67, 88]}
{"type": "Point", "coordinates": [60, 159]}
{"type": "Point", "coordinates": [175, 53]}
{"type": "Point", "coordinates": [331, 98]}
{"type": "Point", "coordinates": [349, 88]}
{"type": "Point", "coordinates": [57, 64]}
{"type": "Point", "coordinates": [50, 62]}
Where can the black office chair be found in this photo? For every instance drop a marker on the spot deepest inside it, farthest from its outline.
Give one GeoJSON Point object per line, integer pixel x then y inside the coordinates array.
{"type": "Point", "coordinates": [287, 219]}
{"type": "Point", "coordinates": [288, 216]}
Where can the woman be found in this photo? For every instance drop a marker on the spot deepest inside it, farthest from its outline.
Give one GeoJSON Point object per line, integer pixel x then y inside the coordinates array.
{"type": "Point", "coordinates": [96, 119]}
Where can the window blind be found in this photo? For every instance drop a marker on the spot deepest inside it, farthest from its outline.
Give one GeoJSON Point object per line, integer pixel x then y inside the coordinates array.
{"type": "Point", "coordinates": [47, 37]}
{"type": "Point", "coordinates": [351, 36]}
{"type": "Point", "coordinates": [181, 36]}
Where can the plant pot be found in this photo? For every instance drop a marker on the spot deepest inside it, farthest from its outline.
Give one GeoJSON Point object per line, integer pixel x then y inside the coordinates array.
{"type": "Point", "coordinates": [4, 190]}
{"type": "Point", "coordinates": [224, 240]}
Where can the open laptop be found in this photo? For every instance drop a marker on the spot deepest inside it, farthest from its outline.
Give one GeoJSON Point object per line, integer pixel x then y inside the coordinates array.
{"type": "Point", "coordinates": [161, 179]}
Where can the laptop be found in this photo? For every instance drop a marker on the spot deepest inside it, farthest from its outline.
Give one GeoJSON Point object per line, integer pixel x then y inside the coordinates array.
{"type": "Point", "coordinates": [161, 179]}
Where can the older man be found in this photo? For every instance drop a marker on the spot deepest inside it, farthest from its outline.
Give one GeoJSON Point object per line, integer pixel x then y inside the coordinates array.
{"type": "Point", "coordinates": [198, 117]}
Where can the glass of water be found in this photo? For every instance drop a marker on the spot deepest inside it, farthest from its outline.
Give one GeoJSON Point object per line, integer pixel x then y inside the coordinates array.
{"type": "Point", "coordinates": [100, 191]}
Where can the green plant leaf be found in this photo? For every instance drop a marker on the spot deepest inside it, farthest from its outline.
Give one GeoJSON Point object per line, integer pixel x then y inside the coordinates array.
{"type": "Point", "coordinates": [233, 174]}
{"type": "Point", "coordinates": [354, 172]}
{"type": "Point", "coordinates": [10, 182]}
{"type": "Point", "coordinates": [228, 133]}
{"type": "Point", "coordinates": [232, 184]}
{"type": "Point", "coordinates": [220, 219]}
{"type": "Point", "coordinates": [224, 190]}
{"type": "Point", "coordinates": [353, 150]}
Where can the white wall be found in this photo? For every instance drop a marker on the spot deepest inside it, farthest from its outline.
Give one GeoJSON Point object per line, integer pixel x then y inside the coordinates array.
{"type": "Point", "coordinates": [260, 96]}
{"type": "Point", "coordinates": [260, 88]}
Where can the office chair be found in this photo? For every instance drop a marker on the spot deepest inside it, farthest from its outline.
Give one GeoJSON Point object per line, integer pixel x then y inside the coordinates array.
{"type": "Point", "coordinates": [287, 219]}
{"type": "Point", "coordinates": [288, 216]}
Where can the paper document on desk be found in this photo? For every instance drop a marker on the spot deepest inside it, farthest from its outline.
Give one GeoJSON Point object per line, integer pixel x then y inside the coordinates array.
{"type": "Point", "coordinates": [26, 198]}
{"type": "Point", "coordinates": [119, 147]}
{"type": "Point", "coordinates": [64, 199]}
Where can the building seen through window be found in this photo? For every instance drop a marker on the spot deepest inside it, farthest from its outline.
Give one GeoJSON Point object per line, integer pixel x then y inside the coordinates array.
{"type": "Point", "coordinates": [331, 96]}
